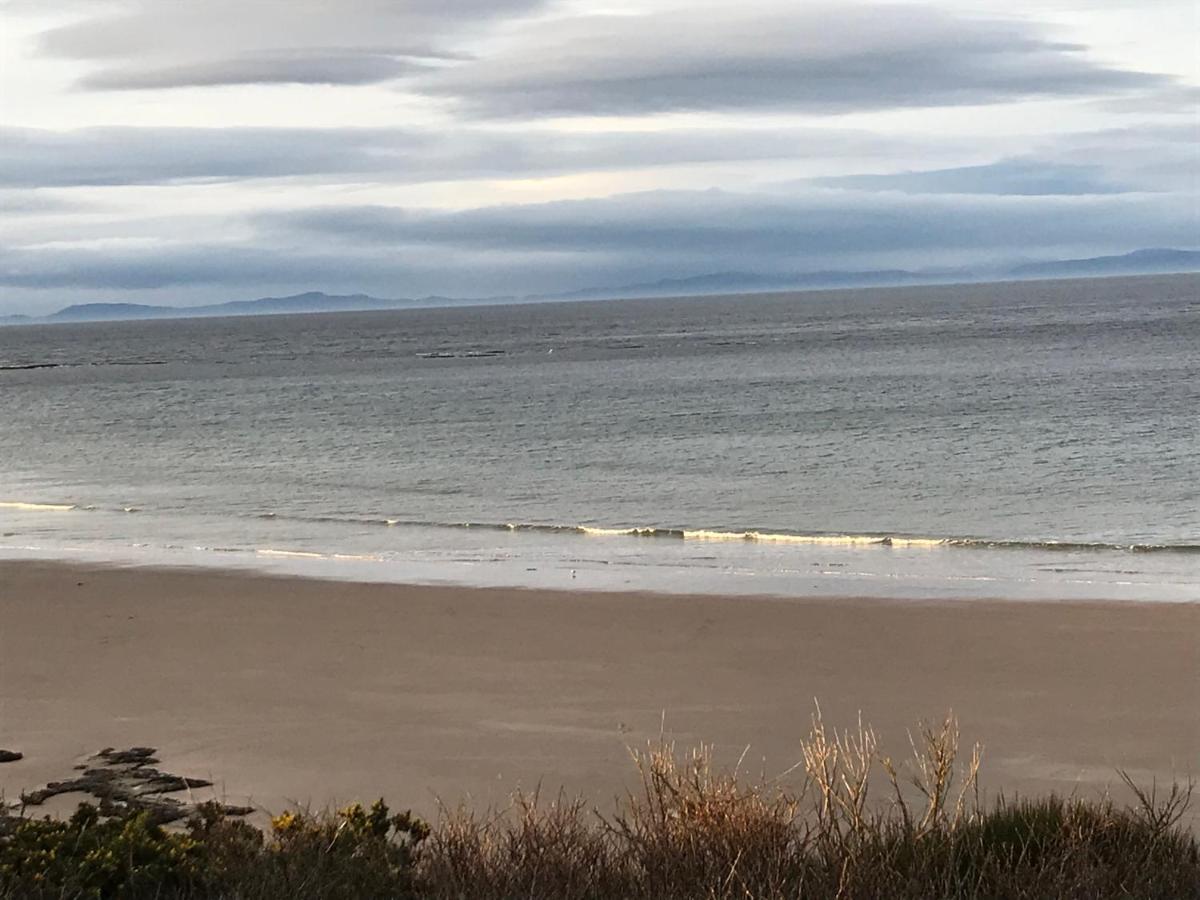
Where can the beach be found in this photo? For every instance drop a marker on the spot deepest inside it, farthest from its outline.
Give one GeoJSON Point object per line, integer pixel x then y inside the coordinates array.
{"type": "Point", "coordinates": [285, 690]}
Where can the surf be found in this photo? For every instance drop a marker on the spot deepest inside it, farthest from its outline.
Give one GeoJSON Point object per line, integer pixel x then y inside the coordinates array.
{"type": "Point", "coordinates": [23, 506]}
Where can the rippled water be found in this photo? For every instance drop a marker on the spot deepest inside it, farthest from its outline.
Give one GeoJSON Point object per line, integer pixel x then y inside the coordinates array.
{"type": "Point", "coordinates": [1018, 439]}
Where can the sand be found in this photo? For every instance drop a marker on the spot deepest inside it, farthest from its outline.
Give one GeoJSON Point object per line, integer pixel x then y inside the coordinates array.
{"type": "Point", "coordinates": [285, 690]}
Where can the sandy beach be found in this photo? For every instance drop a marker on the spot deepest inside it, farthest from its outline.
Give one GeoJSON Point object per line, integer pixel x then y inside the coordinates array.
{"type": "Point", "coordinates": [294, 690]}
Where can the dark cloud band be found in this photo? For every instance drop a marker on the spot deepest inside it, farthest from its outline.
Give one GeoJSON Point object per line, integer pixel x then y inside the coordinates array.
{"type": "Point", "coordinates": [565, 245]}
{"type": "Point", "coordinates": [811, 59]}
{"type": "Point", "coordinates": [766, 228]}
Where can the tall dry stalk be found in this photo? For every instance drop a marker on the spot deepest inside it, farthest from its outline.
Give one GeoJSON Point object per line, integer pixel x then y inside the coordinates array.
{"type": "Point", "coordinates": [840, 766]}
{"type": "Point", "coordinates": [933, 774]}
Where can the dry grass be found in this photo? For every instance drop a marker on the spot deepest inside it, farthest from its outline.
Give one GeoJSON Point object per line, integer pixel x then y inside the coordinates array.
{"type": "Point", "coordinates": [847, 823]}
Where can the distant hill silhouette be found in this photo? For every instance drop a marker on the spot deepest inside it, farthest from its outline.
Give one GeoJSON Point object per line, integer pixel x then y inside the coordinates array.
{"type": "Point", "coordinates": [1139, 262]}
{"type": "Point", "coordinates": [749, 282]}
{"type": "Point", "coordinates": [312, 301]}
{"type": "Point", "coordinates": [99, 311]}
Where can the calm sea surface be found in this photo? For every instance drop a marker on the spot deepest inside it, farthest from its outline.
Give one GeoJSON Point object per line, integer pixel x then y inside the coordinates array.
{"type": "Point", "coordinates": [1017, 440]}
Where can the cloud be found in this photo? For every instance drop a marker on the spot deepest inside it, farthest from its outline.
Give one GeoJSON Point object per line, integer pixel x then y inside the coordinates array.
{"type": "Point", "coordinates": [759, 55]}
{"type": "Point", "coordinates": [778, 231]}
{"type": "Point", "coordinates": [213, 269]}
{"type": "Point", "coordinates": [150, 44]}
{"type": "Point", "coordinates": [126, 156]}
{"type": "Point", "coordinates": [1170, 99]}
{"type": "Point", "coordinates": [1147, 158]}
{"type": "Point", "coordinates": [293, 67]}
{"type": "Point", "coordinates": [633, 237]}
{"type": "Point", "coordinates": [36, 203]}
{"type": "Point", "coordinates": [815, 59]}
{"type": "Point", "coordinates": [1028, 177]}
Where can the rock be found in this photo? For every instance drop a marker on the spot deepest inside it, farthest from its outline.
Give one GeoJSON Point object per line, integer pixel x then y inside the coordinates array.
{"type": "Point", "coordinates": [133, 756]}
{"type": "Point", "coordinates": [10, 756]}
{"type": "Point", "coordinates": [123, 780]}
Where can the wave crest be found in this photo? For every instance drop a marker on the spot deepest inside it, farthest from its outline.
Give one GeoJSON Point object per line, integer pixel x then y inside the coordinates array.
{"type": "Point", "coordinates": [22, 506]}
{"type": "Point", "coordinates": [815, 539]}
{"type": "Point", "coordinates": [716, 535]}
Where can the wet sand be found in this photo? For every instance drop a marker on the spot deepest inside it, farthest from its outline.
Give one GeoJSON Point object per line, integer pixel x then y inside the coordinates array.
{"type": "Point", "coordinates": [297, 690]}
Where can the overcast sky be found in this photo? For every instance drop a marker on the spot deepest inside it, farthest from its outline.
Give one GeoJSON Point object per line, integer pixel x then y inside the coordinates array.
{"type": "Point", "coordinates": [183, 151]}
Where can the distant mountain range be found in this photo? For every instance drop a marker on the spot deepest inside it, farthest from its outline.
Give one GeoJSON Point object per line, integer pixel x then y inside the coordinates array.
{"type": "Point", "coordinates": [1140, 262]}
{"type": "Point", "coordinates": [750, 282]}
{"type": "Point", "coordinates": [310, 302]}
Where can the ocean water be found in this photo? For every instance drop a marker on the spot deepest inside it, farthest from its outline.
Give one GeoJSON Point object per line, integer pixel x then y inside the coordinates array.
{"type": "Point", "coordinates": [1036, 439]}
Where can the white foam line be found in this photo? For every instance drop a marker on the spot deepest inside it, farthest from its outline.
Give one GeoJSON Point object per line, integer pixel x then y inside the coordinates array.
{"type": "Point", "coordinates": [297, 554]}
{"type": "Point", "coordinates": [36, 507]}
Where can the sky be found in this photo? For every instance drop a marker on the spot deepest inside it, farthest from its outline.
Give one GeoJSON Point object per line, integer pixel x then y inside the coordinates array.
{"type": "Point", "coordinates": [191, 151]}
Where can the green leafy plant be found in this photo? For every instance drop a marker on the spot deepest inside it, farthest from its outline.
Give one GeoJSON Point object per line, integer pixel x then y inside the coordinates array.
{"type": "Point", "coordinates": [88, 857]}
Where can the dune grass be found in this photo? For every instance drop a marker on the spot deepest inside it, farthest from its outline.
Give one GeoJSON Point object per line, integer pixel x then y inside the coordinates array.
{"type": "Point", "coordinates": [849, 822]}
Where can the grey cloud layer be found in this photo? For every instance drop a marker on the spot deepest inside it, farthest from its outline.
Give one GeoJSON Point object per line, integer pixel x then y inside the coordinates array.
{"type": "Point", "coordinates": [394, 272]}
{"type": "Point", "coordinates": [814, 59]}
{"type": "Point", "coordinates": [808, 58]}
{"type": "Point", "coordinates": [122, 156]}
{"type": "Point", "coordinates": [1028, 177]}
{"type": "Point", "coordinates": [35, 203]}
{"type": "Point", "coordinates": [117, 156]}
{"type": "Point", "coordinates": [558, 246]}
{"type": "Point", "coordinates": [156, 44]}
{"type": "Point", "coordinates": [765, 227]}
{"type": "Point", "coordinates": [1148, 158]}
{"type": "Point", "coordinates": [296, 67]}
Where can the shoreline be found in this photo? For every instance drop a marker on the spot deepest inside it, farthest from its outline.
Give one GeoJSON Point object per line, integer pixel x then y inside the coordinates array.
{"type": "Point", "coordinates": [286, 566]}
{"type": "Point", "coordinates": [909, 574]}
{"type": "Point", "coordinates": [290, 689]}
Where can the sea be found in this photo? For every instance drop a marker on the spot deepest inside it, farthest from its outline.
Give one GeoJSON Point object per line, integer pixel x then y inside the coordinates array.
{"type": "Point", "coordinates": [1024, 441]}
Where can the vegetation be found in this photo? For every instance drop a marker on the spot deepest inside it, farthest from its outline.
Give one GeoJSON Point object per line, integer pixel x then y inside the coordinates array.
{"type": "Point", "coordinates": [858, 825]}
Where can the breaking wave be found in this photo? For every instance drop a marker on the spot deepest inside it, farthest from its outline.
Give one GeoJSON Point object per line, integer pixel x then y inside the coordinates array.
{"type": "Point", "coordinates": [22, 506]}
{"type": "Point", "coordinates": [797, 538]}
{"type": "Point", "coordinates": [816, 539]}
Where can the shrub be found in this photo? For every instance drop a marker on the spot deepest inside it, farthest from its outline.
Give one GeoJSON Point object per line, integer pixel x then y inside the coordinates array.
{"type": "Point", "coordinates": [87, 857]}
{"type": "Point", "coordinates": [690, 831]}
{"type": "Point", "coordinates": [353, 854]}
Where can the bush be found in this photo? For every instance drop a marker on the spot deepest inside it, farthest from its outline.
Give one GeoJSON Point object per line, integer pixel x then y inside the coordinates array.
{"type": "Point", "coordinates": [86, 857]}
{"type": "Point", "coordinates": [353, 854]}
{"type": "Point", "coordinates": [691, 831]}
